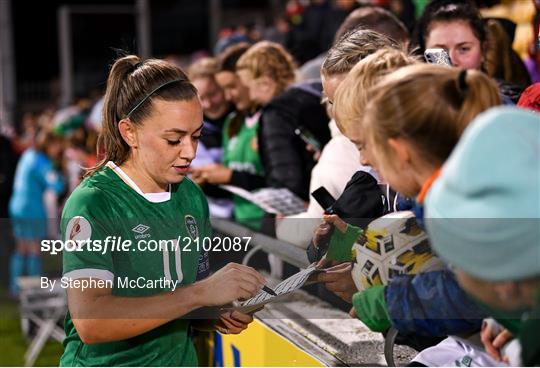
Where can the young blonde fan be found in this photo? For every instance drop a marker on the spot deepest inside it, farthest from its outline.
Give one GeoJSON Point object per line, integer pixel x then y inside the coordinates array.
{"type": "Point", "coordinates": [361, 199]}
{"type": "Point", "coordinates": [416, 116]}
{"type": "Point", "coordinates": [268, 70]}
{"type": "Point", "coordinates": [349, 98]}
{"type": "Point", "coordinates": [411, 124]}
{"type": "Point", "coordinates": [338, 168]}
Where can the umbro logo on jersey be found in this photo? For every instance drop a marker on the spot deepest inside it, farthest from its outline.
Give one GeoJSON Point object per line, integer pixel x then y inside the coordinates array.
{"type": "Point", "coordinates": [140, 231]}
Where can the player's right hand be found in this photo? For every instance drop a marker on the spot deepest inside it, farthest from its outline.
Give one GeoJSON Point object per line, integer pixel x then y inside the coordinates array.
{"type": "Point", "coordinates": [230, 283]}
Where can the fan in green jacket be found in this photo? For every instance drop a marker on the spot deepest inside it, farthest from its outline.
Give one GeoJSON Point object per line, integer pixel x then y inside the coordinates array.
{"type": "Point", "coordinates": [241, 166]}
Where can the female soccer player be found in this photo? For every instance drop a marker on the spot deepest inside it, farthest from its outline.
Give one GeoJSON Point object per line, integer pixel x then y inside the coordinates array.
{"type": "Point", "coordinates": [138, 195]}
{"type": "Point", "coordinates": [37, 185]}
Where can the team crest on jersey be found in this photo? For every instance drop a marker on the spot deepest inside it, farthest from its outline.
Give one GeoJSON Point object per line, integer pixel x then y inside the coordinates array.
{"type": "Point", "coordinates": [78, 228]}
{"type": "Point", "coordinates": [191, 227]}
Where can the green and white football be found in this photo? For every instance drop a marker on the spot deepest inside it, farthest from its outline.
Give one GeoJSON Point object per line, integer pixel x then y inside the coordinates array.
{"type": "Point", "coordinates": [392, 245]}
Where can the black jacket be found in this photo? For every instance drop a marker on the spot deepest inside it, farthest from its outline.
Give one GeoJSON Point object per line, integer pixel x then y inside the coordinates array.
{"type": "Point", "coordinates": [362, 200]}
{"type": "Point", "coordinates": [287, 163]}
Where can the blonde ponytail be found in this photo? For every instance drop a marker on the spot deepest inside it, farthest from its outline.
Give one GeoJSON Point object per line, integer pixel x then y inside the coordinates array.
{"type": "Point", "coordinates": [429, 106]}
{"type": "Point", "coordinates": [481, 93]}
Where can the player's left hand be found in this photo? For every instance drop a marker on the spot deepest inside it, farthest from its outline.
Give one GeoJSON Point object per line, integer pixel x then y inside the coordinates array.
{"type": "Point", "coordinates": [233, 322]}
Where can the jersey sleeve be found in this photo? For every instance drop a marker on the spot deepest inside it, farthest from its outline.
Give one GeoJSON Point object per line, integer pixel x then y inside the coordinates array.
{"type": "Point", "coordinates": [85, 223]}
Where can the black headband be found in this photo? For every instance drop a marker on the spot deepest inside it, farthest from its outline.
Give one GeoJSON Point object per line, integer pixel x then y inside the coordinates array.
{"type": "Point", "coordinates": [151, 93]}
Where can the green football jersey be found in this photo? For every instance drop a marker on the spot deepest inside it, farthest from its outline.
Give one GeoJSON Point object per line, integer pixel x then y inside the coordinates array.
{"type": "Point", "coordinates": [241, 153]}
{"type": "Point", "coordinates": [104, 207]}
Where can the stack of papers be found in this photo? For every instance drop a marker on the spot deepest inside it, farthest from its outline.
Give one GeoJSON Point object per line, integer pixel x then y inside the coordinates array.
{"type": "Point", "coordinates": [272, 200]}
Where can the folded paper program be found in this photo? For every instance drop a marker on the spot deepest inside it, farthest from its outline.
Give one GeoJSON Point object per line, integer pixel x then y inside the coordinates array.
{"type": "Point", "coordinates": [285, 287]}
{"type": "Point", "coordinates": [273, 200]}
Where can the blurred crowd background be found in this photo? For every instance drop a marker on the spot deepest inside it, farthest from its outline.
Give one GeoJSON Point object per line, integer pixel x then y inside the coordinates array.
{"type": "Point", "coordinates": [55, 56]}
